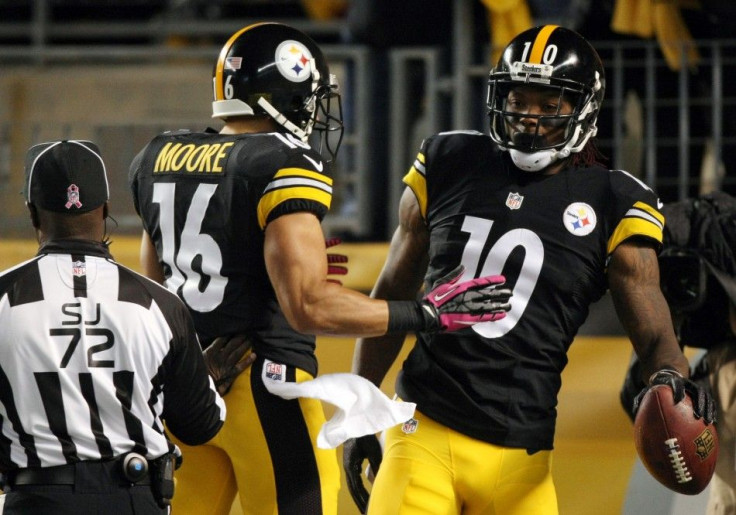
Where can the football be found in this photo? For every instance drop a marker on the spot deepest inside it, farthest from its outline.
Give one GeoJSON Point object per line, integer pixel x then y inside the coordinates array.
{"type": "Point", "coordinates": [677, 449]}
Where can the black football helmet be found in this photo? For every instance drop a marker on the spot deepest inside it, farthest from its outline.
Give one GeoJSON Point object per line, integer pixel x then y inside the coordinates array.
{"type": "Point", "coordinates": [276, 70]}
{"type": "Point", "coordinates": [552, 57]}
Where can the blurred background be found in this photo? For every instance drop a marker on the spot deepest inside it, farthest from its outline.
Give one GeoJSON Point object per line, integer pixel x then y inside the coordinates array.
{"type": "Point", "coordinates": [120, 71]}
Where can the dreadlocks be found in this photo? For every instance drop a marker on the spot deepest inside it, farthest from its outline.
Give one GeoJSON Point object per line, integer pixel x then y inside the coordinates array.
{"type": "Point", "coordinates": [588, 156]}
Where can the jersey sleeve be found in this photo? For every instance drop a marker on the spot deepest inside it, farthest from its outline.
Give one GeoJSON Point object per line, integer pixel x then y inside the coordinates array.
{"type": "Point", "coordinates": [301, 183]}
{"type": "Point", "coordinates": [638, 209]}
{"type": "Point", "coordinates": [193, 410]}
{"type": "Point", "coordinates": [416, 178]}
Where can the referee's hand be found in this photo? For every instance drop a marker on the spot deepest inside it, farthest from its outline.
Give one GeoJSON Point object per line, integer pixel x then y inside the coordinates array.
{"type": "Point", "coordinates": [226, 357]}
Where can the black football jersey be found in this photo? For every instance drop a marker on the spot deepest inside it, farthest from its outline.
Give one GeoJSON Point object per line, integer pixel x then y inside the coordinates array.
{"type": "Point", "coordinates": [205, 200]}
{"type": "Point", "coordinates": [551, 236]}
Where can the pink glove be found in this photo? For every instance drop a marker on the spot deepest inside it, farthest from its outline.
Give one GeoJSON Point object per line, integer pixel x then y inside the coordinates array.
{"type": "Point", "coordinates": [454, 305]}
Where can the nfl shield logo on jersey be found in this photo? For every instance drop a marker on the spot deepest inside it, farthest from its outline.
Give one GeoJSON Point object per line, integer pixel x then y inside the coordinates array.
{"type": "Point", "coordinates": [514, 200]}
{"type": "Point", "coordinates": [275, 371]}
{"type": "Point", "coordinates": [410, 426]}
{"type": "Point", "coordinates": [79, 268]}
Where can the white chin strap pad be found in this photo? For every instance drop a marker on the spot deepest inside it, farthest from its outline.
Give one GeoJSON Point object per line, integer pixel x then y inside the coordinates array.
{"type": "Point", "coordinates": [535, 161]}
{"type": "Point", "coordinates": [282, 120]}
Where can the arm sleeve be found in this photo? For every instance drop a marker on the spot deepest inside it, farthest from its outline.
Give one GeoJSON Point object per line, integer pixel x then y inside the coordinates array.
{"type": "Point", "coordinates": [637, 207]}
{"type": "Point", "coordinates": [416, 179]}
{"type": "Point", "coordinates": [193, 410]}
{"type": "Point", "coordinates": [302, 182]}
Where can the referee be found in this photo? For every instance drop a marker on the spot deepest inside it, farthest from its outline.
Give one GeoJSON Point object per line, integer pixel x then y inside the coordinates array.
{"type": "Point", "coordinates": [93, 358]}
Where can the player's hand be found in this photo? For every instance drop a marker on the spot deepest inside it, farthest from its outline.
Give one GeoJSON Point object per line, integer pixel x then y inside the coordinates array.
{"type": "Point", "coordinates": [354, 452]}
{"type": "Point", "coordinates": [703, 404]}
{"type": "Point", "coordinates": [452, 305]}
{"type": "Point", "coordinates": [333, 260]}
{"type": "Point", "coordinates": [226, 358]}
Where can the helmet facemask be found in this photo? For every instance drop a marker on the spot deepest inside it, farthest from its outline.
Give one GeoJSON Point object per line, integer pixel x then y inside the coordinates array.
{"type": "Point", "coordinates": [577, 126]}
{"type": "Point", "coordinates": [325, 106]}
{"type": "Point", "coordinates": [315, 114]}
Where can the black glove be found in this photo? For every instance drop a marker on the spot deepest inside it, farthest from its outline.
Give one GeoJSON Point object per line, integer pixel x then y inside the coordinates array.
{"type": "Point", "coordinates": [354, 451]}
{"type": "Point", "coordinates": [703, 404]}
{"type": "Point", "coordinates": [226, 358]}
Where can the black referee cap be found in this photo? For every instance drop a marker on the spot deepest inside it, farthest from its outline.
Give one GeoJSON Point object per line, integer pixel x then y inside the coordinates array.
{"type": "Point", "coordinates": [66, 176]}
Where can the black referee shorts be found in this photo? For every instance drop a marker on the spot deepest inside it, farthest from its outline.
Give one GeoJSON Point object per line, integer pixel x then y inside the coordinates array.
{"type": "Point", "coordinates": [98, 488]}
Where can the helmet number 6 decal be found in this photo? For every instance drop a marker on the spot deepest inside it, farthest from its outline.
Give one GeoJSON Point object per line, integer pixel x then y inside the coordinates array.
{"type": "Point", "coordinates": [228, 89]}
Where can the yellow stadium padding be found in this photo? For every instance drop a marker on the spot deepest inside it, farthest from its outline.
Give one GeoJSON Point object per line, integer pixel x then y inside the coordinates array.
{"type": "Point", "coordinates": [364, 259]}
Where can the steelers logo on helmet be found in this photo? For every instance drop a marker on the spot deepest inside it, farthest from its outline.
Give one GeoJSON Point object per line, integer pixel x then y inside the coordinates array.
{"type": "Point", "coordinates": [579, 219]}
{"type": "Point", "coordinates": [294, 61]}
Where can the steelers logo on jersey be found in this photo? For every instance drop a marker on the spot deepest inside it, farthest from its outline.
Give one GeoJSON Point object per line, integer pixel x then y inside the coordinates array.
{"type": "Point", "coordinates": [579, 218]}
{"type": "Point", "coordinates": [294, 61]}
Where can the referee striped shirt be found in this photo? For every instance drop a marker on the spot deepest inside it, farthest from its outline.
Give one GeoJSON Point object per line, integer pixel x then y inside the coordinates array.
{"type": "Point", "coordinates": [93, 358]}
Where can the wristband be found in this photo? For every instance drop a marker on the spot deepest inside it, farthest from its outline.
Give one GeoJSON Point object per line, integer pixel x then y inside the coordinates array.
{"type": "Point", "coordinates": [407, 315]}
{"type": "Point", "coordinates": [669, 370]}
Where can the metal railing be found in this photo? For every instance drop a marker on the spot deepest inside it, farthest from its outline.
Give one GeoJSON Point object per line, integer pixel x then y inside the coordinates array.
{"type": "Point", "coordinates": [675, 131]}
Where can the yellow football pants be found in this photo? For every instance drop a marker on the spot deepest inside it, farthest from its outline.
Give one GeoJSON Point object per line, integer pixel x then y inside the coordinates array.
{"type": "Point", "coordinates": [266, 451]}
{"type": "Point", "coordinates": [435, 470]}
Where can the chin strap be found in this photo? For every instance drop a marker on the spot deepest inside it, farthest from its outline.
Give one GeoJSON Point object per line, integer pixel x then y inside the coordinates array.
{"type": "Point", "coordinates": [302, 134]}
{"type": "Point", "coordinates": [282, 120]}
{"type": "Point", "coordinates": [536, 161]}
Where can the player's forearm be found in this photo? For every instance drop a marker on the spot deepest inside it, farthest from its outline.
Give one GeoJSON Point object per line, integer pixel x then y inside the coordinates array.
{"type": "Point", "coordinates": [647, 322]}
{"type": "Point", "coordinates": [664, 353]}
{"type": "Point", "coordinates": [633, 278]}
{"type": "Point", "coordinates": [336, 311]}
{"type": "Point", "coordinates": [150, 264]}
{"type": "Point", "coordinates": [373, 357]}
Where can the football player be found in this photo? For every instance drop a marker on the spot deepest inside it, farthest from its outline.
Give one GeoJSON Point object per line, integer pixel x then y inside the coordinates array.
{"type": "Point", "coordinates": [531, 202]}
{"type": "Point", "coordinates": [232, 225]}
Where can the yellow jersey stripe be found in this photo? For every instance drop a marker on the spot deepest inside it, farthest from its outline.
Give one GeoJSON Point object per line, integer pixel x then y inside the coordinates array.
{"type": "Point", "coordinates": [540, 43]}
{"type": "Point", "coordinates": [418, 184]}
{"type": "Point", "coordinates": [272, 199]}
{"type": "Point", "coordinates": [633, 226]}
{"type": "Point", "coordinates": [650, 211]}
{"type": "Point", "coordinates": [419, 164]}
{"type": "Point", "coordinates": [301, 172]}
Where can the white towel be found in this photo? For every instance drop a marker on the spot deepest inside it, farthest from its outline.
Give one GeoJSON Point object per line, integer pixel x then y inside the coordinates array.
{"type": "Point", "coordinates": [362, 408]}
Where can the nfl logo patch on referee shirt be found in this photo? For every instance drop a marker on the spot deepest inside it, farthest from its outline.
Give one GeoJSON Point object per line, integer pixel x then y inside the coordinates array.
{"type": "Point", "coordinates": [79, 268]}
